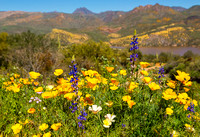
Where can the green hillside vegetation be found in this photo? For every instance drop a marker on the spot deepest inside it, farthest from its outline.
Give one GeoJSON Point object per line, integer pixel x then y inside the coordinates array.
{"type": "Point", "coordinates": [67, 37]}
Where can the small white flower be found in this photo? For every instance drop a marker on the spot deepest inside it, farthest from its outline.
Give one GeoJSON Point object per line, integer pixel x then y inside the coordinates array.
{"type": "Point", "coordinates": [110, 117]}
{"type": "Point", "coordinates": [44, 108]}
{"type": "Point", "coordinates": [39, 93]}
{"type": "Point", "coordinates": [49, 87]}
{"type": "Point", "coordinates": [95, 109]}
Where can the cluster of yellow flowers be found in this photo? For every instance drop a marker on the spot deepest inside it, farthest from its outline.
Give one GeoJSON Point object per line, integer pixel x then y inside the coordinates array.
{"type": "Point", "coordinates": [92, 81]}
{"type": "Point", "coordinates": [181, 98]}
{"type": "Point", "coordinates": [169, 94]}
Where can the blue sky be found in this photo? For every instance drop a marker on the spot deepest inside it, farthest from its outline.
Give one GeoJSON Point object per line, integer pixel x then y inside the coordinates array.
{"type": "Point", "coordinates": [68, 6]}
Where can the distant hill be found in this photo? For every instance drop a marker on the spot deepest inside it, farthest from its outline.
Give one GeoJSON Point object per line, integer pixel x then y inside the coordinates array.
{"type": "Point", "coordinates": [194, 10]}
{"type": "Point", "coordinates": [109, 26]}
{"type": "Point", "coordinates": [109, 16]}
{"type": "Point", "coordinates": [178, 8]}
{"type": "Point", "coordinates": [84, 11]}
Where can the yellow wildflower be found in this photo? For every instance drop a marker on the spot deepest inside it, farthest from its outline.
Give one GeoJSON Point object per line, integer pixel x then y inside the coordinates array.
{"type": "Point", "coordinates": [186, 89]}
{"type": "Point", "coordinates": [43, 127]}
{"type": "Point", "coordinates": [109, 103]}
{"type": "Point", "coordinates": [114, 74]}
{"type": "Point", "coordinates": [15, 88]}
{"type": "Point", "coordinates": [130, 103]}
{"type": "Point", "coordinates": [34, 75]}
{"type": "Point", "coordinates": [182, 76]}
{"type": "Point", "coordinates": [169, 94]}
{"type": "Point", "coordinates": [31, 110]}
{"type": "Point", "coordinates": [16, 75]}
{"type": "Point", "coordinates": [144, 64]}
{"type": "Point", "coordinates": [47, 95]}
{"type": "Point", "coordinates": [113, 87]}
{"type": "Point", "coordinates": [189, 128]}
{"type": "Point", "coordinates": [36, 135]}
{"type": "Point", "coordinates": [123, 72]}
{"type": "Point", "coordinates": [16, 128]}
{"type": "Point", "coordinates": [171, 84]}
{"type": "Point", "coordinates": [143, 72]}
{"type": "Point", "coordinates": [36, 83]}
{"type": "Point", "coordinates": [58, 72]}
{"type": "Point", "coordinates": [154, 86]}
{"type": "Point", "coordinates": [182, 98]}
{"type": "Point", "coordinates": [109, 69]}
{"type": "Point", "coordinates": [47, 134]}
{"type": "Point", "coordinates": [26, 122]}
{"type": "Point", "coordinates": [69, 96]}
{"type": "Point", "coordinates": [56, 126]}
{"type": "Point", "coordinates": [147, 79]}
{"type": "Point", "coordinates": [133, 85]}
{"type": "Point", "coordinates": [104, 81]}
{"type": "Point", "coordinates": [12, 79]}
{"type": "Point", "coordinates": [194, 102]}
{"type": "Point", "coordinates": [39, 89]}
{"type": "Point", "coordinates": [126, 98]}
{"type": "Point", "coordinates": [169, 111]}
{"type": "Point", "coordinates": [188, 84]}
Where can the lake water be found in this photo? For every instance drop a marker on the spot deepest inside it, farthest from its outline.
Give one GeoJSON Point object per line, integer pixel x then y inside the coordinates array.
{"type": "Point", "coordinates": [173, 50]}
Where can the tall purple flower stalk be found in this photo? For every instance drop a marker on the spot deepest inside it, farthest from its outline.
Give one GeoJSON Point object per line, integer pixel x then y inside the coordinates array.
{"type": "Point", "coordinates": [134, 47]}
{"type": "Point", "coordinates": [74, 81]}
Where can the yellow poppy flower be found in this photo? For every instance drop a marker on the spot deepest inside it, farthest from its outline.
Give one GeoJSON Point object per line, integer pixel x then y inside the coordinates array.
{"type": "Point", "coordinates": [144, 64]}
{"type": "Point", "coordinates": [154, 86]}
{"type": "Point", "coordinates": [16, 128]}
{"type": "Point", "coordinates": [43, 127]}
{"type": "Point", "coordinates": [109, 69]}
{"type": "Point", "coordinates": [58, 72]}
{"type": "Point", "coordinates": [31, 111]}
{"type": "Point", "coordinates": [147, 79]}
{"type": "Point", "coordinates": [123, 72]}
{"type": "Point", "coordinates": [126, 98]}
{"type": "Point", "coordinates": [34, 75]}
{"type": "Point", "coordinates": [130, 103]}
{"type": "Point", "coordinates": [169, 111]}
{"type": "Point", "coordinates": [56, 126]}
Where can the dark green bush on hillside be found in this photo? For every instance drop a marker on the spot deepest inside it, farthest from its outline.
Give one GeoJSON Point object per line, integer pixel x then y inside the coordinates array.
{"type": "Point", "coordinates": [86, 54]}
{"type": "Point", "coordinates": [3, 48]}
{"type": "Point", "coordinates": [31, 52]}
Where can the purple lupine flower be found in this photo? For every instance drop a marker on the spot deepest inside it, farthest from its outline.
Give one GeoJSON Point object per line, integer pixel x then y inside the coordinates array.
{"type": "Point", "coordinates": [191, 108]}
{"type": "Point", "coordinates": [82, 117]}
{"type": "Point", "coordinates": [133, 48]}
{"type": "Point", "coordinates": [161, 72]}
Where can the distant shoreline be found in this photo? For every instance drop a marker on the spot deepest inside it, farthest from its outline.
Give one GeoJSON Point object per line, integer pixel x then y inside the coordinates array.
{"type": "Point", "coordinates": [173, 50]}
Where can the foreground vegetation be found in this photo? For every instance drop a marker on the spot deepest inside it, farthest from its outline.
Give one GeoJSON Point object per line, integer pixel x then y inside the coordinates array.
{"type": "Point", "coordinates": [127, 105]}
{"type": "Point", "coordinates": [103, 92]}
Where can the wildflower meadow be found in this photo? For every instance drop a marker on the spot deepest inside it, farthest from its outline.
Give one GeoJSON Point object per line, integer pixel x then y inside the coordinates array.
{"type": "Point", "coordinates": [140, 100]}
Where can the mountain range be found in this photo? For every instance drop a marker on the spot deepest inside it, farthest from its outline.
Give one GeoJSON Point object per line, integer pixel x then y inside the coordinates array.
{"type": "Point", "coordinates": [110, 26]}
